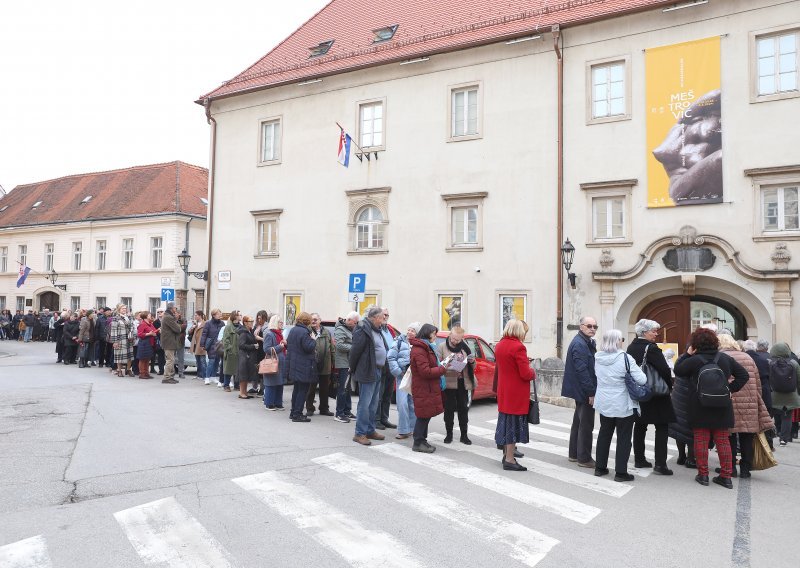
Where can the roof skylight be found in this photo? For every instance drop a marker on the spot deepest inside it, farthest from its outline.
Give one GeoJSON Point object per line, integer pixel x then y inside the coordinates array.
{"type": "Point", "coordinates": [35, 205]}
{"type": "Point", "coordinates": [384, 34]}
{"type": "Point", "coordinates": [3, 208]}
{"type": "Point", "coordinates": [204, 200]}
{"type": "Point", "coordinates": [87, 199]}
{"type": "Point", "coordinates": [320, 49]}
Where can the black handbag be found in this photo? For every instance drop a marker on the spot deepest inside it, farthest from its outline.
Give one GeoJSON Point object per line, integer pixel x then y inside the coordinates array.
{"type": "Point", "coordinates": [657, 385]}
{"type": "Point", "coordinates": [636, 391]}
{"type": "Point", "coordinates": [533, 407]}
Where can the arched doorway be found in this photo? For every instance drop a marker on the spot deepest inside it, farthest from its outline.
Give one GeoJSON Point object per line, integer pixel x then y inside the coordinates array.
{"type": "Point", "coordinates": [680, 315]}
{"type": "Point", "coordinates": [50, 301]}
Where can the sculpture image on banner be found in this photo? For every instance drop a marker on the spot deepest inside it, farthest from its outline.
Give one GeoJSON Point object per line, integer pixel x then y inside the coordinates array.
{"type": "Point", "coordinates": [512, 306]}
{"type": "Point", "coordinates": [292, 307]}
{"type": "Point", "coordinates": [369, 301]}
{"type": "Point", "coordinates": [684, 124]}
{"type": "Point", "coordinates": [450, 312]}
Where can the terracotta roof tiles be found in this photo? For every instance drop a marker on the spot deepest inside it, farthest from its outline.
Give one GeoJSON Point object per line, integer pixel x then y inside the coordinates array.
{"type": "Point", "coordinates": [425, 27]}
{"type": "Point", "coordinates": [174, 187]}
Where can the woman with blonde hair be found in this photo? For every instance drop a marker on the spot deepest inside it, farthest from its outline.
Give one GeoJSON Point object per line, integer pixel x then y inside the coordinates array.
{"type": "Point", "coordinates": [275, 347]}
{"type": "Point", "coordinates": [514, 376]}
{"type": "Point", "coordinates": [122, 340]}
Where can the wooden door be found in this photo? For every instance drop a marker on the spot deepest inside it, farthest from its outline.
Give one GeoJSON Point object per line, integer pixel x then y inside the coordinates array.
{"type": "Point", "coordinates": [673, 314]}
{"type": "Point", "coordinates": [49, 300]}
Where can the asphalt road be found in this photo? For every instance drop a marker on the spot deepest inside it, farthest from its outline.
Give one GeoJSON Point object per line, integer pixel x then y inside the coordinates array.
{"type": "Point", "coordinates": [100, 471]}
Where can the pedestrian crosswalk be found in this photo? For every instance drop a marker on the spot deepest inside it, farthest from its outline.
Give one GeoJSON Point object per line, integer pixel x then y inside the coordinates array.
{"type": "Point", "coordinates": [170, 533]}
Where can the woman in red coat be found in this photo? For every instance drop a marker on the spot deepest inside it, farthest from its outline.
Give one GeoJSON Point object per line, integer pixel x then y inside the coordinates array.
{"type": "Point", "coordinates": [427, 384]}
{"type": "Point", "coordinates": [514, 376]}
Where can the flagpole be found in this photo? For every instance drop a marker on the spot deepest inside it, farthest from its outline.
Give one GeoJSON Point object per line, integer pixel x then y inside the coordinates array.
{"type": "Point", "coordinates": [360, 150]}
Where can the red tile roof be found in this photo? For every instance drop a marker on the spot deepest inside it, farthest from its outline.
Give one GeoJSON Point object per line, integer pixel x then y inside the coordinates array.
{"type": "Point", "coordinates": [175, 187]}
{"type": "Point", "coordinates": [425, 27]}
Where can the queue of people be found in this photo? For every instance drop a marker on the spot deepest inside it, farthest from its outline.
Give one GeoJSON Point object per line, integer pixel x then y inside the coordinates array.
{"type": "Point", "coordinates": [721, 393]}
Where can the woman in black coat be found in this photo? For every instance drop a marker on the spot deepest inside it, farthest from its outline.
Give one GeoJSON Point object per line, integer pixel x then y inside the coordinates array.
{"type": "Point", "coordinates": [71, 330]}
{"type": "Point", "coordinates": [710, 421]}
{"type": "Point", "coordinates": [658, 410]}
{"type": "Point", "coordinates": [248, 357]}
{"type": "Point", "coordinates": [58, 335]}
{"type": "Point", "coordinates": [301, 362]}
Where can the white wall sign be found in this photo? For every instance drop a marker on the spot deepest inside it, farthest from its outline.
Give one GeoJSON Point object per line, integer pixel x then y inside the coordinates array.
{"type": "Point", "coordinates": [224, 276]}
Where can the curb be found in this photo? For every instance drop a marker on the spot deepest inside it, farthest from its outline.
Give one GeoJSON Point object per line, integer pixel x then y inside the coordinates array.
{"type": "Point", "coordinates": [558, 401]}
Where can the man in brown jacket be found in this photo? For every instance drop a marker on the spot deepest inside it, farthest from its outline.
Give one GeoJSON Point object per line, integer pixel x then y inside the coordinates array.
{"type": "Point", "coordinates": [171, 334]}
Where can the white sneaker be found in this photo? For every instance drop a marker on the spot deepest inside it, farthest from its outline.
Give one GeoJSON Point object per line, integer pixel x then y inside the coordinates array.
{"type": "Point", "coordinates": [219, 385]}
{"type": "Point", "coordinates": [207, 382]}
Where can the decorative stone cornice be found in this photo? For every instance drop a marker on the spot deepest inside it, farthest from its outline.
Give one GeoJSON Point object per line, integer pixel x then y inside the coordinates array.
{"type": "Point", "coordinates": [688, 237]}
{"type": "Point", "coordinates": [609, 184]}
{"type": "Point", "coordinates": [773, 171]}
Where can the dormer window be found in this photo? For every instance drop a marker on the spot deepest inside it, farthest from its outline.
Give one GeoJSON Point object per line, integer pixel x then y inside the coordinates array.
{"type": "Point", "coordinates": [320, 49]}
{"type": "Point", "coordinates": [3, 208]}
{"type": "Point", "coordinates": [384, 34]}
{"type": "Point", "coordinates": [87, 199]}
{"type": "Point", "coordinates": [35, 205]}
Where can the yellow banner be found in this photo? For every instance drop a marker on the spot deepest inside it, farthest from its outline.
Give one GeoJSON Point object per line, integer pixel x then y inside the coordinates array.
{"type": "Point", "coordinates": [684, 124]}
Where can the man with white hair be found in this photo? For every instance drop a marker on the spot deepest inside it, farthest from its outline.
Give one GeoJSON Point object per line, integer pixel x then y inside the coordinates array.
{"type": "Point", "coordinates": [367, 361]}
{"type": "Point", "coordinates": [580, 384]}
{"type": "Point", "coordinates": [343, 342]}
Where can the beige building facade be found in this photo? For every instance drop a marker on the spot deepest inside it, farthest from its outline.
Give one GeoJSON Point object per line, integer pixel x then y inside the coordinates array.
{"type": "Point", "coordinates": [453, 213]}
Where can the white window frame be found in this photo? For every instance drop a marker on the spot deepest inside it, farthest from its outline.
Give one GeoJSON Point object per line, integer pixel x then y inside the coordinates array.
{"type": "Point", "coordinates": [360, 107]}
{"type": "Point", "coordinates": [73, 304]}
{"type": "Point", "coordinates": [372, 228]}
{"type": "Point", "coordinates": [102, 254]}
{"type": "Point", "coordinates": [460, 201]}
{"type": "Point", "coordinates": [127, 253]}
{"type": "Point", "coordinates": [755, 96]}
{"type": "Point", "coordinates": [609, 189]}
{"type": "Point", "coordinates": [765, 179]}
{"type": "Point", "coordinates": [49, 256]}
{"type": "Point", "coordinates": [624, 60]}
{"type": "Point", "coordinates": [277, 141]}
{"type": "Point", "coordinates": [98, 304]}
{"type": "Point", "coordinates": [452, 90]}
{"type": "Point", "coordinates": [156, 252]}
{"type": "Point", "coordinates": [3, 259]}
{"type": "Point", "coordinates": [608, 204]}
{"type": "Point", "coordinates": [21, 303]}
{"type": "Point", "coordinates": [360, 199]}
{"type": "Point", "coordinates": [77, 255]}
{"type": "Point", "coordinates": [780, 190]}
{"type": "Point", "coordinates": [261, 217]}
{"type": "Point", "coordinates": [22, 252]}
{"type": "Point", "coordinates": [128, 301]}
{"type": "Point", "coordinates": [153, 304]}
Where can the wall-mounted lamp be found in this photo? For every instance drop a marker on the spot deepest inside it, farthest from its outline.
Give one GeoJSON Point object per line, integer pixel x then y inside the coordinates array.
{"type": "Point", "coordinates": [567, 254]}
{"type": "Point", "coordinates": [183, 260]}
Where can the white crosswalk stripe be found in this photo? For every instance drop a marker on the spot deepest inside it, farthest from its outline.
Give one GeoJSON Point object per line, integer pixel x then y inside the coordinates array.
{"type": "Point", "coordinates": [595, 432]}
{"type": "Point", "coordinates": [28, 553]}
{"type": "Point", "coordinates": [564, 474]}
{"type": "Point", "coordinates": [524, 544]}
{"type": "Point", "coordinates": [527, 494]}
{"type": "Point", "coordinates": [360, 546]}
{"type": "Point", "coordinates": [164, 533]}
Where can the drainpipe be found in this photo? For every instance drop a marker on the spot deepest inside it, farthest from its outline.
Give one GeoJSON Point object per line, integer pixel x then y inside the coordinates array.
{"type": "Point", "coordinates": [186, 248]}
{"type": "Point", "coordinates": [210, 216]}
{"type": "Point", "coordinates": [559, 191]}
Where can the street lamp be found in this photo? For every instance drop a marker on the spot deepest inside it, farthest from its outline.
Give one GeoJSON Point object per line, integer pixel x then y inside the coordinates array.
{"type": "Point", "coordinates": [52, 277]}
{"type": "Point", "coordinates": [567, 254]}
{"type": "Point", "coordinates": [183, 260]}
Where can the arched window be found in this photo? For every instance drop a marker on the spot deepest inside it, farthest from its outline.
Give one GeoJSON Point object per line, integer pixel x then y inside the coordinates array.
{"type": "Point", "coordinates": [701, 317]}
{"type": "Point", "coordinates": [369, 229]}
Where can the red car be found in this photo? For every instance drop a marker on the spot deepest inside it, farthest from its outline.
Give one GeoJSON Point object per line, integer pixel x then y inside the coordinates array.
{"type": "Point", "coordinates": [484, 364]}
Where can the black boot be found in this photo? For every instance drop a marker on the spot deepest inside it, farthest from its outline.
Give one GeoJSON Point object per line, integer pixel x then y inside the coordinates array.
{"type": "Point", "coordinates": [449, 437]}
{"type": "Point", "coordinates": [464, 439]}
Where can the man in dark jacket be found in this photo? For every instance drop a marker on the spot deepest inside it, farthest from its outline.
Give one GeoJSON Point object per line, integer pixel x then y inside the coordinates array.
{"type": "Point", "coordinates": [580, 384]}
{"type": "Point", "coordinates": [760, 356]}
{"type": "Point", "coordinates": [29, 320]}
{"type": "Point", "coordinates": [367, 359]}
{"type": "Point", "coordinates": [324, 358]}
{"type": "Point", "coordinates": [100, 337]}
{"type": "Point", "coordinates": [159, 358]}
{"type": "Point", "coordinates": [170, 341]}
{"type": "Point", "coordinates": [15, 325]}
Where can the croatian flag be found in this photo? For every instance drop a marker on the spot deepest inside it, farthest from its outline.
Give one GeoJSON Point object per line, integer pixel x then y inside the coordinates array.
{"type": "Point", "coordinates": [23, 274]}
{"type": "Point", "coordinates": [344, 148]}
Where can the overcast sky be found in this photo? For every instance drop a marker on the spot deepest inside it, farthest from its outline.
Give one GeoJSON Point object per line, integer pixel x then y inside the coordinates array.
{"type": "Point", "coordinates": [94, 85]}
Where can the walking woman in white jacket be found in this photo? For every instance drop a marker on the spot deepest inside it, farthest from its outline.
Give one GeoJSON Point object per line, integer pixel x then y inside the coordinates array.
{"type": "Point", "coordinates": [617, 410]}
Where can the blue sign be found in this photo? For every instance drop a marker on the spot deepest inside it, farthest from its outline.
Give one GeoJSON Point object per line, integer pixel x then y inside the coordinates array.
{"type": "Point", "coordinates": [357, 284]}
{"type": "Point", "coordinates": [167, 294]}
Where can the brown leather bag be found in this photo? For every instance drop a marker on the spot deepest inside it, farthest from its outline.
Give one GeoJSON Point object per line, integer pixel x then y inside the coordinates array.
{"type": "Point", "coordinates": [269, 364]}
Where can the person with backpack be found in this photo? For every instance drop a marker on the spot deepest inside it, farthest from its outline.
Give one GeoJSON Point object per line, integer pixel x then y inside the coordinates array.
{"type": "Point", "coordinates": [783, 374]}
{"type": "Point", "coordinates": [710, 407]}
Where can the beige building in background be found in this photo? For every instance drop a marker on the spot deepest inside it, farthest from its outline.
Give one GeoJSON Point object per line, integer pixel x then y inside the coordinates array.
{"type": "Point", "coordinates": [453, 211]}
{"type": "Point", "coordinates": [109, 237]}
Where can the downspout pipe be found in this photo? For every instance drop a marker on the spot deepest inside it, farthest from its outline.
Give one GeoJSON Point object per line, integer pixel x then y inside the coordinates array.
{"type": "Point", "coordinates": [212, 170]}
{"type": "Point", "coordinates": [186, 248]}
{"type": "Point", "coordinates": [557, 49]}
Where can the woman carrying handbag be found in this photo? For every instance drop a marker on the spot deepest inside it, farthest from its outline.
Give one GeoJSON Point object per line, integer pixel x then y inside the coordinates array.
{"type": "Point", "coordinates": [658, 410]}
{"type": "Point", "coordinates": [514, 376]}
